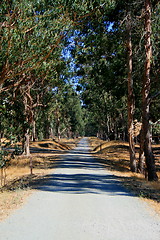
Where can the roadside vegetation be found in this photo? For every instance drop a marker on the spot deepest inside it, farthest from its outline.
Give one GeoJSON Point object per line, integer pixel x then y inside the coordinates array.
{"type": "Point", "coordinates": [114, 155]}
{"type": "Point", "coordinates": [22, 171]}
{"type": "Point", "coordinates": [70, 69]}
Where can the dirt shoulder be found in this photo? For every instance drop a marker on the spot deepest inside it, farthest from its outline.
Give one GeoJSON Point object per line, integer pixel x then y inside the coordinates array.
{"type": "Point", "coordinates": [114, 155]}
{"type": "Point", "coordinates": [17, 177]}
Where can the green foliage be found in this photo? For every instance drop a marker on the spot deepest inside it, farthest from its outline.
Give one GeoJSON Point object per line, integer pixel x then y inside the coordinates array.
{"type": "Point", "coordinates": [4, 160]}
{"type": "Point", "coordinates": [29, 36]}
{"type": "Point", "coordinates": [33, 34]}
{"type": "Point", "coordinates": [74, 112]}
{"type": "Point", "coordinates": [100, 55]}
{"type": "Point", "coordinates": [156, 129]}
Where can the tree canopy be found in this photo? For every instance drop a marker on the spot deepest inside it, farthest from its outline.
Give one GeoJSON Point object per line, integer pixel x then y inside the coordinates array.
{"type": "Point", "coordinates": [64, 69]}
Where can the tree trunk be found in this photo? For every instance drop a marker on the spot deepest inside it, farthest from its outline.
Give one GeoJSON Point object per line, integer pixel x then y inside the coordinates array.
{"type": "Point", "coordinates": [51, 133]}
{"type": "Point", "coordinates": [115, 131]}
{"type": "Point", "coordinates": [58, 133]}
{"type": "Point", "coordinates": [47, 129]}
{"type": "Point", "coordinates": [34, 131]}
{"type": "Point", "coordinates": [141, 161]}
{"type": "Point", "coordinates": [26, 147]}
{"type": "Point", "coordinates": [27, 100]}
{"type": "Point", "coordinates": [58, 127]}
{"type": "Point", "coordinates": [131, 105]}
{"type": "Point", "coordinates": [150, 161]}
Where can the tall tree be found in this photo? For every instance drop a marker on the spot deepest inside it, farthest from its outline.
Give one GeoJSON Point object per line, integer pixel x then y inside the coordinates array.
{"type": "Point", "coordinates": [131, 104]}
{"type": "Point", "coordinates": [30, 33]}
{"type": "Point", "coordinates": [146, 98]}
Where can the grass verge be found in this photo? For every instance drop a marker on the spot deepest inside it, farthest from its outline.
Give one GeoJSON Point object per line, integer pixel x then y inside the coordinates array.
{"type": "Point", "coordinates": [43, 159]}
{"type": "Point", "coordinates": [114, 155]}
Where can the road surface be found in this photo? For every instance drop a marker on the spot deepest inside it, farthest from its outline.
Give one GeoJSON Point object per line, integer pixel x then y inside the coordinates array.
{"type": "Point", "coordinates": [81, 201]}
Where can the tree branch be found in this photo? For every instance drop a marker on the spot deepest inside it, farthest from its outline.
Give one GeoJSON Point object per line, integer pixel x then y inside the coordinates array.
{"type": "Point", "coordinates": [155, 95]}
{"type": "Point", "coordinates": [28, 60]}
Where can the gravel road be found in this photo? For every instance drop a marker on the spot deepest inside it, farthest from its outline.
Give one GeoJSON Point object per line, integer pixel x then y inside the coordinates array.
{"type": "Point", "coordinates": [81, 201]}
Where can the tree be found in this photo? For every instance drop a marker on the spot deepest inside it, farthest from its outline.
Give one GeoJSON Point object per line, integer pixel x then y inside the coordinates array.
{"type": "Point", "coordinates": [131, 101]}
{"type": "Point", "coordinates": [35, 75]}
{"type": "Point", "coordinates": [30, 33]}
{"type": "Point", "coordinates": [146, 99]}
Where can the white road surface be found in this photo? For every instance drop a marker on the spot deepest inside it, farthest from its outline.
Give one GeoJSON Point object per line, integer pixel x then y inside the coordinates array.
{"type": "Point", "coordinates": [81, 201]}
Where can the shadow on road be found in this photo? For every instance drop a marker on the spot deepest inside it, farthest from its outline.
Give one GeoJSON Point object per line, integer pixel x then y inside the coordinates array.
{"type": "Point", "coordinates": [77, 160]}
{"type": "Point", "coordinates": [90, 179]}
{"type": "Point", "coordinates": [81, 183]}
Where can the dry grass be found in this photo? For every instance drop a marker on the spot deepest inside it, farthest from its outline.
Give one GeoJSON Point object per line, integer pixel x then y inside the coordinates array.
{"type": "Point", "coordinates": [43, 158]}
{"type": "Point", "coordinates": [72, 143]}
{"type": "Point", "coordinates": [10, 201]}
{"type": "Point", "coordinates": [44, 155]}
{"type": "Point", "coordinates": [115, 157]}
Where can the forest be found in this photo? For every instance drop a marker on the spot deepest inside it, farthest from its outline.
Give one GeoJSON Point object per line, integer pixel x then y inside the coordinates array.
{"type": "Point", "coordinates": [74, 68]}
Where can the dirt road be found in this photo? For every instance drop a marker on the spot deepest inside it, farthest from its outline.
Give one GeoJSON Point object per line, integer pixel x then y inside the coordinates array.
{"type": "Point", "coordinates": [81, 201]}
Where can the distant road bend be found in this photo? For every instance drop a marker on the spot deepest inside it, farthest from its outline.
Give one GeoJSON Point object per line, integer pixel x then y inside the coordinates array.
{"type": "Point", "coordinates": [81, 201]}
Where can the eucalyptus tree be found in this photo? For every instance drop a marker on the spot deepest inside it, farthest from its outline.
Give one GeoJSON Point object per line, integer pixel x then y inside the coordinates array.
{"type": "Point", "coordinates": [66, 114]}
{"type": "Point", "coordinates": [73, 112]}
{"type": "Point", "coordinates": [92, 32]}
{"type": "Point", "coordinates": [96, 58]}
{"type": "Point", "coordinates": [146, 99]}
{"type": "Point", "coordinates": [131, 100]}
{"type": "Point", "coordinates": [31, 44]}
{"type": "Point", "coordinates": [31, 33]}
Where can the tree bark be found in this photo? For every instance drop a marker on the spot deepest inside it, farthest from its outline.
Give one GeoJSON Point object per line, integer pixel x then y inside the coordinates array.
{"type": "Point", "coordinates": [34, 131]}
{"type": "Point", "coordinates": [26, 143]}
{"type": "Point", "coordinates": [150, 161]}
{"type": "Point", "coordinates": [131, 105]}
{"type": "Point", "coordinates": [141, 161]}
{"type": "Point", "coordinates": [27, 100]}
{"type": "Point", "coordinates": [47, 129]}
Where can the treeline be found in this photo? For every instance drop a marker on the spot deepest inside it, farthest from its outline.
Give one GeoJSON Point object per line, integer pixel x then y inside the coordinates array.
{"type": "Point", "coordinates": [117, 57]}
{"type": "Point", "coordinates": [113, 52]}
{"type": "Point", "coordinates": [37, 98]}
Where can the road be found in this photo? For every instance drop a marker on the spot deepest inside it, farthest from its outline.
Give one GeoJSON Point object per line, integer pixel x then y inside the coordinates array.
{"type": "Point", "coordinates": [81, 201]}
